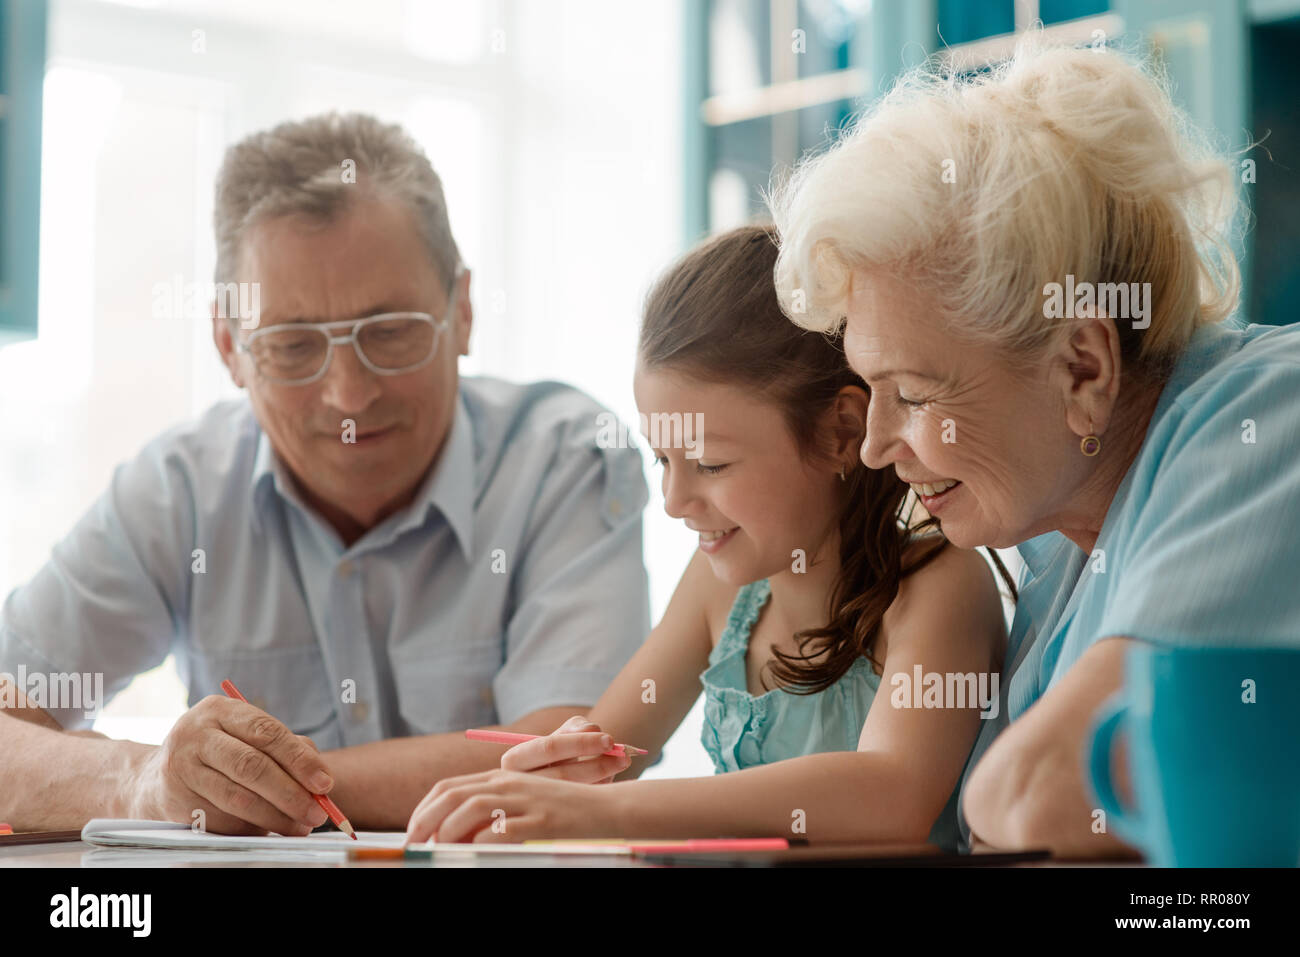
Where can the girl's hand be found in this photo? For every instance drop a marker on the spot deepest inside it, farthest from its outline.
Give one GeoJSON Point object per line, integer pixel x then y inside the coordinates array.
{"type": "Point", "coordinates": [504, 807]}
{"type": "Point", "coordinates": [572, 752]}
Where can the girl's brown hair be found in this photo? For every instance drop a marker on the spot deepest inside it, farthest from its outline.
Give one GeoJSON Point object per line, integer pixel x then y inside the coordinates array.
{"type": "Point", "coordinates": [714, 314]}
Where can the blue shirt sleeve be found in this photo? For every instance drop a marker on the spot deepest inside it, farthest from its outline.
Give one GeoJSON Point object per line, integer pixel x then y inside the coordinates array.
{"type": "Point", "coordinates": [1212, 548]}
{"type": "Point", "coordinates": [581, 605]}
{"type": "Point", "coordinates": [107, 600]}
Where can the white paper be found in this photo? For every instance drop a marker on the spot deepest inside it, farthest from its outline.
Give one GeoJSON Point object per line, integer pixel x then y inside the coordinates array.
{"type": "Point", "coordinates": [108, 832]}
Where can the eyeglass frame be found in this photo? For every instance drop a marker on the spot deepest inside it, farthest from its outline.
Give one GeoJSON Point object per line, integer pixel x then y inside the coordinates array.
{"type": "Point", "coordinates": [439, 324]}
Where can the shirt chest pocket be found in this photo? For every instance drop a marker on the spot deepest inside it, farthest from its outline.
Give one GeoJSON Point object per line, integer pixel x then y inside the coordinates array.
{"type": "Point", "coordinates": [446, 688]}
{"type": "Point", "coordinates": [290, 684]}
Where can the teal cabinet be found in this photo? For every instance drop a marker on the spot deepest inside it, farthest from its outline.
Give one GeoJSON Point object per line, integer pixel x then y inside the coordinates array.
{"type": "Point", "coordinates": [1232, 67]}
{"type": "Point", "coordinates": [22, 77]}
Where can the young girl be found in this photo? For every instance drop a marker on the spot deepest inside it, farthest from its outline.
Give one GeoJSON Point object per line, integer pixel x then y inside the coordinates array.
{"type": "Point", "coordinates": [806, 595]}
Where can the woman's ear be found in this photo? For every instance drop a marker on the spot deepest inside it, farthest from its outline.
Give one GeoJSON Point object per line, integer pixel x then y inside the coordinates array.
{"type": "Point", "coordinates": [848, 423]}
{"type": "Point", "coordinates": [1088, 374]}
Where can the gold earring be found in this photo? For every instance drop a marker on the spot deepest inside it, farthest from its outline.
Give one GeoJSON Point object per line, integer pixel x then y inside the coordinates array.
{"type": "Point", "coordinates": [1091, 444]}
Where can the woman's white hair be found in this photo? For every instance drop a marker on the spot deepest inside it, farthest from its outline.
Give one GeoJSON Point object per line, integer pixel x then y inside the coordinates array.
{"type": "Point", "coordinates": [982, 189]}
{"type": "Point", "coordinates": [302, 168]}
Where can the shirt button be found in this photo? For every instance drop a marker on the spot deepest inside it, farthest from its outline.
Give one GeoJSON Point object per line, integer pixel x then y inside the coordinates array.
{"type": "Point", "coordinates": [345, 568]}
{"type": "Point", "coordinates": [486, 695]}
{"type": "Point", "coordinates": [359, 711]}
{"type": "Point", "coordinates": [615, 507]}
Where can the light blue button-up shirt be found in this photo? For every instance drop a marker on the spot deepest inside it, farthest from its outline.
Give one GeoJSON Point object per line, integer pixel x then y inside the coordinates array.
{"type": "Point", "coordinates": [1201, 543]}
{"type": "Point", "coordinates": [514, 581]}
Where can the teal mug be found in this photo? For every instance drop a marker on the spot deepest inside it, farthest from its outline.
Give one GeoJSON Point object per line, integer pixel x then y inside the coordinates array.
{"type": "Point", "coordinates": [1213, 738]}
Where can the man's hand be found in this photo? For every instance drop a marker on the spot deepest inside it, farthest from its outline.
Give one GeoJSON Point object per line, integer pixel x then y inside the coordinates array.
{"type": "Point", "coordinates": [246, 771]}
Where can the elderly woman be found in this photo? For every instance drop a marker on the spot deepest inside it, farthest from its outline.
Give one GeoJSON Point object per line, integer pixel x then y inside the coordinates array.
{"type": "Point", "coordinates": [1032, 272]}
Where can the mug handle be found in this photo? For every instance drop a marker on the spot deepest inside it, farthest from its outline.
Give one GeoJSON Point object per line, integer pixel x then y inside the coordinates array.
{"type": "Point", "coordinates": [1127, 824]}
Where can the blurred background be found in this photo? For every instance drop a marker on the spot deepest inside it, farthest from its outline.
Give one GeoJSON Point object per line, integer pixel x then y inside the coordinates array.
{"type": "Point", "coordinates": [582, 144]}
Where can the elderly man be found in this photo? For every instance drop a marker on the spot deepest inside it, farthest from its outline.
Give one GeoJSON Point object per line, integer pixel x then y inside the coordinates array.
{"type": "Point", "coordinates": [378, 552]}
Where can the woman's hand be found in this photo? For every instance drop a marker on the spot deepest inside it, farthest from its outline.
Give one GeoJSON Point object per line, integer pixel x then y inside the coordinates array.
{"type": "Point", "coordinates": [572, 752]}
{"type": "Point", "coordinates": [504, 807]}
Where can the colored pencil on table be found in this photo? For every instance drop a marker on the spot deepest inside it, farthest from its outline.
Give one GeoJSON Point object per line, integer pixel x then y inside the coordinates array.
{"type": "Point", "coordinates": [679, 845]}
{"type": "Point", "coordinates": [513, 737]}
{"type": "Point", "coordinates": [575, 846]}
{"type": "Point", "coordinates": [328, 806]}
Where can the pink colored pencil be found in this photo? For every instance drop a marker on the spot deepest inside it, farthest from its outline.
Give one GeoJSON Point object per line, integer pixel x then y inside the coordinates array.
{"type": "Point", "coordinates": [699, 844]}
{"type": "Point", "coordinates": [513, 737]}
{"type": "Point", "coordinates": [679, 845]}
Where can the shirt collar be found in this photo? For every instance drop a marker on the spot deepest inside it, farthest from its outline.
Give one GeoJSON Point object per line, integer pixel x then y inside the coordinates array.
{"type": "Point", "coordinates": [1209, 345]}
{"type": "Point", "coordinates": [449, 486]}
{"type": "Point", "coordinates": [269, 475]}
{"type": "Point", "coordinates": [1040, 552]}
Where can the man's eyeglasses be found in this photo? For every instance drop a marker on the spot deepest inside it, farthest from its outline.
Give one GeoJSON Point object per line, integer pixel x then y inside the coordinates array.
{"type": "Point", "coordinates": [391, 343]}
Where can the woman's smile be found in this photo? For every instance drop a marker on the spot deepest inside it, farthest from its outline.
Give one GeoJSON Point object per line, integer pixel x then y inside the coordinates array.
{"type": "Point", "coordinates": [938, 496]}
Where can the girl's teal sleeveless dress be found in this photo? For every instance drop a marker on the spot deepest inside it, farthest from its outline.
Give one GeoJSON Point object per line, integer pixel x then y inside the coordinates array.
{"type": "Point", "coordinates": [743, 731]}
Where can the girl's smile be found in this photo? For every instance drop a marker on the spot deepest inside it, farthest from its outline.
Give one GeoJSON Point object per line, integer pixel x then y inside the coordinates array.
{"type": "Point", "coordinates": [711, 542]}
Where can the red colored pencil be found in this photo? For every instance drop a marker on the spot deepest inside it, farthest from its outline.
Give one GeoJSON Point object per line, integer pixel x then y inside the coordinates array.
{"type": "Point", "coordinates": [329, 807]}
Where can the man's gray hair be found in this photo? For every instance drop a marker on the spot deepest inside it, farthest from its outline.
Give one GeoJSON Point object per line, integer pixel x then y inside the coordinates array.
{"type": "Point", "coordinates": [316, 167]}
